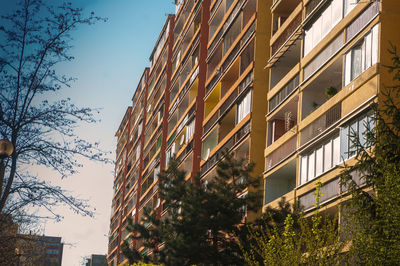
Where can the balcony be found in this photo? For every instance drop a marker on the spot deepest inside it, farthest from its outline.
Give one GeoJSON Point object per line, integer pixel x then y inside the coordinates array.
{"type": "Point", "coordinates": [184, 63]}
{"type": "Point", "coordinates": [153, 125]}
{"type": "Point", "coordinates": [187, 164]}
{"type": "Point", "coordinates": [328, 192]}
{"type": "Point", "coordinates": [132, 159]}
{"type": "Point", "coordinates": [158, 70]}
{"type": "Point", "coordinates": [280, 182]}
{"type": "Point", "coordinates": [281, 66]}
{"type": "Point", "coordinates": [152, 149]}
{"type": "Point", "coordinates": [283, 120]}
{"type": "Point", "coordinates": [184, 78]}
{"type": "Point", "coordinates": [182, 18]}
{"type": "Point", "coordinates": [224, 51]}
{"type": "Point", "coordinates": [184, 100]}
{"type": "Point", "coordinates": [284, 93]}
{"type": "Point", "coordinates": [320, 124]}
{"type": "Point", "coordinates": [219, 107]}
{"type": "Point", "coordinates": [187, 40]}
{"type": "Point", "coordinates": [286, 29]}
{"type": "Point", "coordinates": [229, 144]}
{"type": "Point", "coordinates": [217, 14]}
{"type": "Point", "coordinates": [281, 153]}
{"type": "Point", "coordinates": [323, 56]}
{"type": "Point", "coordinates": [237, 72]}
{"type": "Point", "coordinates": [183, 136]}
{"type": "Point", "coordinates": [155, 98]}
{"type": "Point", "coordinates": [322, 88]}
{"type": "Point", "coordinates": [122, 140]}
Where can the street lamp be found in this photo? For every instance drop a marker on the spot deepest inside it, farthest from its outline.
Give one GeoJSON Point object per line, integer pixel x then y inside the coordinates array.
{"type": "Point", "coordinates": [19, 253]}
{"type": "Point", "coordinates": [6, 149]}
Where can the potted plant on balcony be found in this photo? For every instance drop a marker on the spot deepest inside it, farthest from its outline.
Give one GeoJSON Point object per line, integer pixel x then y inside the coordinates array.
{"type": "Point", "coordinates": [330, 92]}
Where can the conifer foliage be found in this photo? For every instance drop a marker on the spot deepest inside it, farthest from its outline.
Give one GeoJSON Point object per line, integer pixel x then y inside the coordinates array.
{"type": "Point", "coordinates": [373, 214]}
{"type": "Point", "coordinates": [203, 219]}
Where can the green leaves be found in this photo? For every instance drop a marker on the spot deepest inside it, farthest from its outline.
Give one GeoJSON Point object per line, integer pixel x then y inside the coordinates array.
{"type": "Point", "coordinates": [372, 216]}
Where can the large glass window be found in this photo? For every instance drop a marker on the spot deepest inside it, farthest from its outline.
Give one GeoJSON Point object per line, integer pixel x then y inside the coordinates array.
{"type": "Point", "coordinates": [319, 160]}
{"type": "Point", "coordinates": [190, 130]}
{"type": "Point", "coordinates": [244, 107]}
{"type": "Point", "coordinates": [362, 56]}
{"type": "Point", "coordinates": [303, 166]}
{"type": "Point", "coordinates": [336, 151]}
{"type": "Point", "coordinates": [322, 25]}
{"type": "Point", "coordinates": [327, 156]}
{"type": "Point", "coordinates": [349, 5]}
{"type": "Point", "coordinates": [311, 166]}
{"type": "Point", "coordinates": [356, 129]}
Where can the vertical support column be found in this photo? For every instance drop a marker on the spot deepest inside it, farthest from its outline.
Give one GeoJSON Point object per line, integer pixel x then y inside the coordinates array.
{"type": "Point", "coordinates": [167, 91]}
{"type": "Point", "coordinates": [259, 97]}
{"type": "Point", "coordinates": [163, 149]}
{"type": "Point", "coordinates": [198, 124]}
{"type": "Point", "coordinates": [122, 209]}
{"type": "Point", "coordinates": [139, 184]}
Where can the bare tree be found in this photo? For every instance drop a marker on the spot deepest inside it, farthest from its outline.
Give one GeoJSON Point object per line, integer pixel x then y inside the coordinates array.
{"type": "Point", "coordinates": [34, 39]}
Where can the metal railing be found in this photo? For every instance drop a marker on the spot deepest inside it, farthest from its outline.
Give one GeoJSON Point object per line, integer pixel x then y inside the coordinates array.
{"type": "Point", "coordinates": [321, 124]}
{"type": "Point", "coordinates": [281, 153]}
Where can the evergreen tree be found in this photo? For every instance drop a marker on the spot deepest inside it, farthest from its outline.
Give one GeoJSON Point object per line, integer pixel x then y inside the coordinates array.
{"type": "Point", "coordinates": [373, 214]}
{"type": "Point", "coordinates": [203, 219]}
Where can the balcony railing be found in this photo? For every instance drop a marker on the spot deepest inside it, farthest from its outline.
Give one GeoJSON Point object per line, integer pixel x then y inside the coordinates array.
{"type": "Point", "coordinates": [183, 92]}
{"type": "Point", "coordinates": [328, 191]}
{"type": "Point", "coordinates": [284, 151]}
{"type": "Point", "coordinates": [311, 5]}
{"type": "Point", "coordinates": [362, 20]}
{"type": "Point", "coordinates": [186, 151]}
{"type": "Point", "coordinates": [235, 139]}
{"type": "Point", "coordinates": [283, 93]}
{"type": "Point", "coordinates": [321, 123]}
{"type": "Point", "coordinates": [291, 28]}
{"type": "Point", "coordinates": [229, 60]}
{"type": "Point", "coordinates": [229, 102]}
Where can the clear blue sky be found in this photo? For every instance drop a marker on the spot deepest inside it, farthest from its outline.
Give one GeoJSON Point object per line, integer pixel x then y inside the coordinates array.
{"type": "Point", "coordinates": [109, 60]}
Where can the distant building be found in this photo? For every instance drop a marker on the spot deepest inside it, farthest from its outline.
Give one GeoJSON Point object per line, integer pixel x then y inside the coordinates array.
{"type": "Point", "coordinates": [41, 250]}
{"type": "Point", "coordinates": [96, 260]}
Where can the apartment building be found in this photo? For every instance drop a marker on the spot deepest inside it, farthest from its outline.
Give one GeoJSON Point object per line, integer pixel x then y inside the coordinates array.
{"type": "Point", "coordinates": [204, 92]}
{"type": "Point", "coordinates": [39, 250]}
{"type": "Point", "coordinates": [326, 67]}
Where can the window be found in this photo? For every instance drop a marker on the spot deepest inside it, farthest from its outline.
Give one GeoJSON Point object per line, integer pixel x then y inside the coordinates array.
{"type": "Point", "coordinates": [170, 153]}
{"type": "Point", "coordinates": [322, 25]}
{"type": "Point", "coordinates": [303, 166]}
{"type": "Point", "coordinates": [320, 160]}
{"type": "Point", "coordinates": [362, 56]}
{"type": "Point", "coordinates": [311, 166]}
{"type": "Point", "coordinates": [327, 156]}
{"type": "Point", "coordinates": [190, 130]}
{"type": "Point", "coordinates": [137, 151]}
{"type": "Point", "coordinates": [357, 128]}
{"type": "Point", "coordinates": [140, 127]}
{"type": "Point", "coordinates": [349, 5]}
{"type": "Point", "coordinates": [244, 107]}
{"type": "Point", "coordinates": [156, 171]}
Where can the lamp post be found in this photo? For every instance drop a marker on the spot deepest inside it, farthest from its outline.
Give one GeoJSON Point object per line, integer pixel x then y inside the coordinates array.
{"type": "Point", "coordinates": [19, 253]}
{"type": "Point", "coordinates": [6, 149]}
